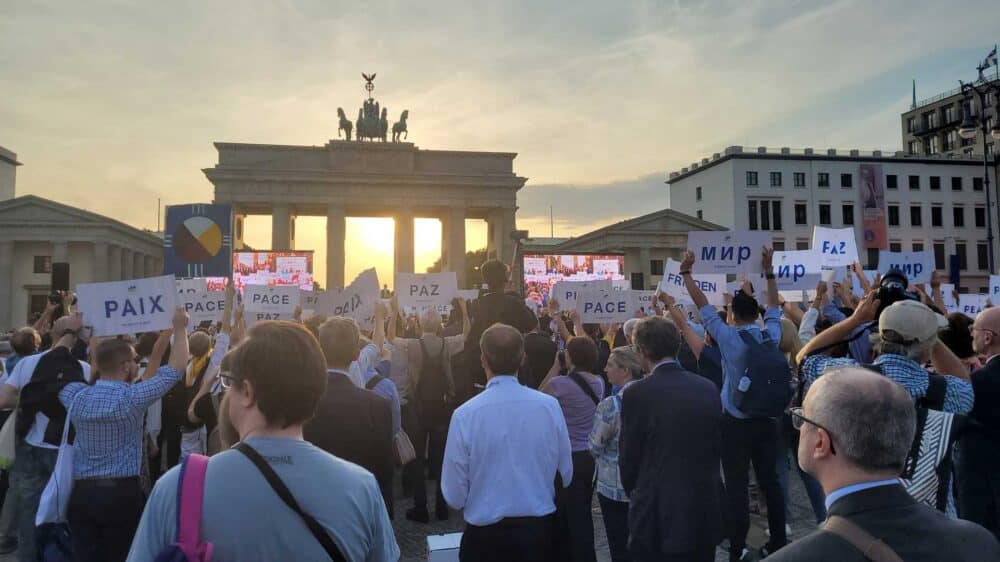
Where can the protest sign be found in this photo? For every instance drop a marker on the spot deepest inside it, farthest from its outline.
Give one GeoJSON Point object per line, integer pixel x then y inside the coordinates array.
{"type": "Point", "coordinates": [565, 291]}
{"type": "Point", "coordinates": [621, 285]}
{"type": "Point", "coordinates": [642, 302]}
{"type": "Point", "coordinates": [197, 241]}
{"type": "Point", "coordinates": [856, 285]}
{"type": "Point", "coordinates": [994, 287]}
{"type": "Point", "coordinates": [203, 307]}
{"type": "Point", "coordinates": [948, 295]}
{"type": "Point", "coordinates": [835, 246]}
{"type": "Point", "coordinates": [917, 266]}
{"type": "Point", "coordinates": [468, 294]}
{"type": "Point", "coordinates": [196, 285]}
{"type": "Point", "coordinates": [727, 252]}
{"type": "Point", "coordinates": [419, 291]}
{"type": "Point", "coordinates": [972, 305]}
{"type": "Point", "coordinates": [713, 285]}
{"type": "Point", "coordinates": [356, 301]}
{"type": "Point", "coordinates": [128, 307]}
{"type": "Point", "coordinates": [796, 270]}
{"type": "Point", "coordinates": [269, 302]}
{"type": "Point", "coordinates": [597, 306]}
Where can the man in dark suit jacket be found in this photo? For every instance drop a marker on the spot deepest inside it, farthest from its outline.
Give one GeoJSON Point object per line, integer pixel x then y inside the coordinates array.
{"type": "Point", "coordinates": [352, 423]}
{"type": "Point", "coordinates": [670, 453]}
{"type": "Point", "coordinates": [859, 468]}
{"type": "Point", "coordinates": [978, 468]}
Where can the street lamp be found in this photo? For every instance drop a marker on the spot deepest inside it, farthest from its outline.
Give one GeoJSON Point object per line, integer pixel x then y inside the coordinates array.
{"type": "Point", "coordinates": [967, 130]}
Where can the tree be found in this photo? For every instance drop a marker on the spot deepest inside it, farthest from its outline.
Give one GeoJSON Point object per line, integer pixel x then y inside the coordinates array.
{"type": "Point", "coordinates": [473, 260]}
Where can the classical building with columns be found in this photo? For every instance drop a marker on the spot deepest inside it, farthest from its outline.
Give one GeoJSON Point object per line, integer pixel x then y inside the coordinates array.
{"type": "Point", "coordinates": [370, 179]}
{"type": "Point", "coordinates": [35, 232]}
{"type": "Point", "coordinates": [645, 241]}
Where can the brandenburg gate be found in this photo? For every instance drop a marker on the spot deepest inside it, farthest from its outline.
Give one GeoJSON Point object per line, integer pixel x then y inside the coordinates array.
{"type": "Point", "coordinates": [370, 176]}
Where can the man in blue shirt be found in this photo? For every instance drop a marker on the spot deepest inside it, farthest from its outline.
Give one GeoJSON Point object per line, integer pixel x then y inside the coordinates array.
{"type": "Point", "coordinates": [744, 438]}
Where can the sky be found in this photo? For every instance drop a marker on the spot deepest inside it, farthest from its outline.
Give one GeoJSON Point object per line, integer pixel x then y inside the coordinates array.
{"type": "Point", "coordinates": [112, 105]}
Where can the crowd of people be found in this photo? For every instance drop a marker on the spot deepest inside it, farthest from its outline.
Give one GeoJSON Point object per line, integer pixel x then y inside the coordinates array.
{"type": "Point", "coordinates": [517, 417]}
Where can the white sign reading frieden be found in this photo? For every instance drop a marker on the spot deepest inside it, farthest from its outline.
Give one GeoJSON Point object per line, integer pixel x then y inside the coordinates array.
{"type": "Point", "coordinates": [596, 306]}
{"type": "Point", "coordinates": [204, 307]}
{"type": "Point", "coordinates": [419, 291]}
{"type": "Point", "coordinates": [727, 252]}
{"type": "Point", "coordinates": [269, 302]}
{"type": "Point", "coordinates": [712, 285]}
{"type": "Point", "coordinates": [128, 307]}
{"type": "Point", "coordinates": [917, 266]}
{"type": "Point", "coordinates": [835, 246]}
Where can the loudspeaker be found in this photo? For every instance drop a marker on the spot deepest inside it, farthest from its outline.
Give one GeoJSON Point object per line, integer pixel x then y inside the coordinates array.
{"type": "Point", "coordinates": [60, 276]}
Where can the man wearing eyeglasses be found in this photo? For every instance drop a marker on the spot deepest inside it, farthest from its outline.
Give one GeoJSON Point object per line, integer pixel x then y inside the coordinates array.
{"type": "Point", "coordinates": [978, 464]}
{"type": "Point", "coordinates": [871, 516]}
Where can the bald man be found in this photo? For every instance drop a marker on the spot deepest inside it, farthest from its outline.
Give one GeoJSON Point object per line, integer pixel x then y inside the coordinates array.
{"type": "Point", "coordinates": [978, 464]}
{"type": "Point", "coordinates": [859, 468]}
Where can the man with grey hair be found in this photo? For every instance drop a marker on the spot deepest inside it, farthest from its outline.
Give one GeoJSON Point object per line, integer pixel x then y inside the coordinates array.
{"type": "Point", "coordinates": [856, 429]}
{"type": "Point", "coordinates": [504, 448]}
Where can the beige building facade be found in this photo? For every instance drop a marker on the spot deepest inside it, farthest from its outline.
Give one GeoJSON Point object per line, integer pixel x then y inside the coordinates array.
{"type": "Point", "coordinates": [37, 232]}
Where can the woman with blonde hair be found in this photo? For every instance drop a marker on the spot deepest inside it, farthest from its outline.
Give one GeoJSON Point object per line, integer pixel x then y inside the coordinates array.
{"type": "Point", "coordinates": [624, 368]}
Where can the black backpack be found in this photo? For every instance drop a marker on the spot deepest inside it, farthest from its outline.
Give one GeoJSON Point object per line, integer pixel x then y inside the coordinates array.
{"type": "Point", "coordinates": [770, 378]}
{"type": "Point", "coordinates": [434, 390]}
{"type": "Point", "coordinates": [54, 370]}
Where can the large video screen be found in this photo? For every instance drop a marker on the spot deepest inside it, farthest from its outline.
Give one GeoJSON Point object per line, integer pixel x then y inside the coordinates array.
{"type": "Point", "coordinates": [542, 271]}
{"type": "Point", "coordinates": [273, 268]}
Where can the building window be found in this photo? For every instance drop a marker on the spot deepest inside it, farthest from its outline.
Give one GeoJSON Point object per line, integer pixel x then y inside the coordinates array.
{"type": "Point", "coordinates": [980, 214]}
{"type": "Point", "coordinates": [43, 264]}
{"type": "Point", "coordinates": [800, 214]}
{"type": "Point", "coordinates": [982, 256]}
{"type": "Point", "coordinates": [823, 179]}
{"type": "Point", "coordinates": [848, 211]}
{"type": "Point", "coordinates": [977, 184]}
{"type": "Point", "coordinates": [963, 262]}
{"type": "Point", "coordinates": [893, 215]}
{"type": "Point", "coordinates": [951, 140]}
{"type": "Point", "coordinates": [799, 179]}
{"type": "Point", "coordinates": [778, 245]}
{"type": "Point", "coordinates": [914, 183]}
{"type": "Point", "coordinates": [949, 113]}
{"type": "Point", "coordinates": [914, 147]}
{"type": "Point", "coordinates": [930, 119]}
{"type": "Point", "coordinates": [918, 246]}
{"type": "Point", "coordinates": [936, 215]}
{"type": "Point", "coordinates": [872, 258]}
{"type": "Point", "coordinates": [956, 184]}
{"type": "Point", "coordinates": [911, 125]}
{"type": "Point", "coordinates": [775, 179]}
{"type": "Point", "coordinates": [656, 267]}
{"type": "Point", "coordinates": [915, 219]}
{"type": "Point", "coordinates": [846, 180]}
{"type": "Point", "coordinates": [932, 145]}
{"type": "Point", "coordinates": [891, 181]}
{"type": "Point", "coordinates": [958, 215]}
{"type": "Point", "coordinates": [752, 208]}
{"type": "Point", "coordinates": [697, 193]}
{"type": "Point", "coordinates": [895, 247]}
{"type": "Point", "coordinates": [699, 214]}
{"type": "Point", "coordinates": [824, 214]}
{"type": "Point", "coordinates": [935, 183]}
{"type": "Point", "coordinates": [764, 214]}
{"type": "Point", "coordinates": [776, 214]}
{"type": "Point", "coordinates": [752, 178]}
{"type": "Point", "coordinates": [939, 255]}
{"type": "Point", "coordinates": [801, 244]}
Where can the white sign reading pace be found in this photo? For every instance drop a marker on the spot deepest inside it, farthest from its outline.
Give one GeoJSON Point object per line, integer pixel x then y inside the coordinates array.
{"type": "Point", "coordinates": [269, 302]}
{"type": "Point", "coordinates": [596, 306]}
{"type": "Point", "coordinates": [204, 307]}
{"type": "Point", "coordinates": [128, 307]}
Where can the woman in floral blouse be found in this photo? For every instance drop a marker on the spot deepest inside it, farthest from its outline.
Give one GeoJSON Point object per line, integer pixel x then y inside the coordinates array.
{"type": "Point", "coordinates": [623, 369]}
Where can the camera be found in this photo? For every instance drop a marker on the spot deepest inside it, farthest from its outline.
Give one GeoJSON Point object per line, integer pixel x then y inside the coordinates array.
{"type": "Point", "coordinates": [892, 289]}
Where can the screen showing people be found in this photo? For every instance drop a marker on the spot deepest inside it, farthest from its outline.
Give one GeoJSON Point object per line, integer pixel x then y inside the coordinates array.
{"type": "Point", "coordinates": [273, 268]}
{"type": "Point", "coordinates": [542, 271]}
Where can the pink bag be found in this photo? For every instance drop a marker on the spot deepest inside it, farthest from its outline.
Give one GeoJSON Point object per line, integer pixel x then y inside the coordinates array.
{"type": "Point", "coordinates": [189, 508]}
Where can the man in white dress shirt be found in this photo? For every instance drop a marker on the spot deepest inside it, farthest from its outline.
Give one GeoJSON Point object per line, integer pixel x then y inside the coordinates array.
{"type": "Point", "coordinates": [503, 451]}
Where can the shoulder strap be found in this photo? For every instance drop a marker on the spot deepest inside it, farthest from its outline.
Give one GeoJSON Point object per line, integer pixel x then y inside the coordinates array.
{"type": "Point", "coordinates": [374, 382]}
{"type": "Point", "coordinates": [575, 377]}
{"type": "Point", "coordinates": [937, 387]}
{"type": "Point", "coordinates": [190, 498]}
{"type": "Point", "coordinates": [286, 496]}
{"type": "Point", "coordinates": [877, 367]}
{"type": "Point", "coordinates": [873, 549]}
